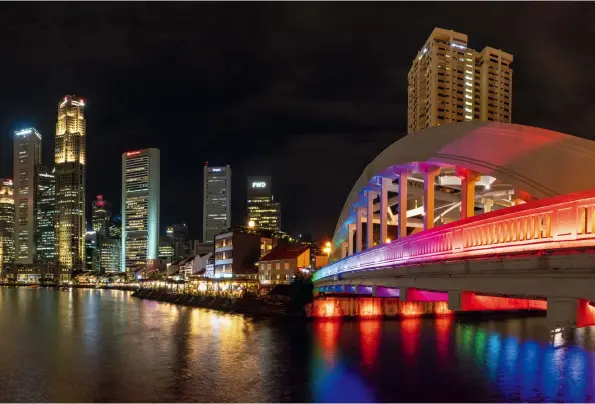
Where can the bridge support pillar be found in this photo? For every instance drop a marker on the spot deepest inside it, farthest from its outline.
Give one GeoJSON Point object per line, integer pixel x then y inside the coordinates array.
{"type": "Point", "coordinates": [402, 217]}
{"type": "Point", "coordinates": [384, 184]}
{"type": "Point", "coordinates": [468, 180]}
{"type": "Point", "coordinates": [569, 313]}
{"type": "Point", "coordinates": [370, 196]}
{"type": "Point", "coordinates": [429, 180]}
{"type": "Point", "coordinates": [344, 249]}
{"type": "Point", "coordinates": [350, 231]}
{"type": "Point", "coordinates": [455, 301]}
{"type": "Point", "coordinates": [358, 228]}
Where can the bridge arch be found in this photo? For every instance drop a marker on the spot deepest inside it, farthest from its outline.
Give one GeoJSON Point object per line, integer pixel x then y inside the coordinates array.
{"type": "Point", "coordinates": [536, 162]}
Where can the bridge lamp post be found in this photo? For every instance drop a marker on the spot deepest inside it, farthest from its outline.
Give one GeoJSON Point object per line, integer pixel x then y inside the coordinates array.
{"type": "Point", "coordinates": [327, 248]}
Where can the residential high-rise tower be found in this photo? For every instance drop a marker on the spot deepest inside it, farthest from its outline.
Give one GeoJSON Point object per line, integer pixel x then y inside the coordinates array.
{"type": "Point", "coordinates": [140, 208]}
{"type": "Point", "coordinates": [27, 156]}
{"type": "Point", "coordinates": [450, 82]}
{"type": "Point", "coordinates": [216, 215]}
{"type": "Point", "coordinates": [70, 158]}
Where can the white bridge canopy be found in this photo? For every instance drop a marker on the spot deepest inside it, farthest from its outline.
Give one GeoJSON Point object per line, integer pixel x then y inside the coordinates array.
{"type": "Point", "coordinates": [541, 162]}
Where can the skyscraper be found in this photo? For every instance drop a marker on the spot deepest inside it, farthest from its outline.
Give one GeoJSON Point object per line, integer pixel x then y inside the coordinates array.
{"type": "Point", "coordinates": [101, 216]}
{"type": "Point", "coordinates": [45, 217]}
{"type": "Point", "coordinates": [7, 231]}
{"type": "Point", "coordinates": [110, 255]}
{"type": "Point", "coordinates": [216, 215]}
{"type": "Point", "coordinates": [263, 210]}
{"type": "Point", "coordinates": [140, 208]}
{"type": "Point", "coordinates": [178, 234]}
{"type": "Point", "coordinates": [450, 82]}
{"type": "Point", "coordinates": [27, 156]}
{"type": "Point", "coordinates": [70, 159]}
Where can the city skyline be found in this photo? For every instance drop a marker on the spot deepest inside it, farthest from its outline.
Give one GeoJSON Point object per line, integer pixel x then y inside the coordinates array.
{"type": "Point", "coordinates": [297, 124]}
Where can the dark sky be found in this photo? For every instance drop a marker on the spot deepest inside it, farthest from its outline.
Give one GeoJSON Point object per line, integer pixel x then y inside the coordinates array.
{"type": "Point", "coordinates": [307, 93]}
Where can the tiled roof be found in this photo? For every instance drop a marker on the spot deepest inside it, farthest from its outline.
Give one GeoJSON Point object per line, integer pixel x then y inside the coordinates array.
{"type": "Point", "coordinates": [285, 252]}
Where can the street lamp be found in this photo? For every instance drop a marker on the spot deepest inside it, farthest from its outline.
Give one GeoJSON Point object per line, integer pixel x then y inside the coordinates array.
{"type": "Point", "coordinates": [327, 248]}
{"type": "Point", "coordinates": [251, 224]}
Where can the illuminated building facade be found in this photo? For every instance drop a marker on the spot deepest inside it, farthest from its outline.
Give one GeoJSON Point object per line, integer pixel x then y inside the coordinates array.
{"type": "Point", "coordinates": [115, 227]}
{"type": "Point", "coordinates": [263, 210]}
{"type": "Point", "coordinates": [7, 225]}
{"type": "Point", "coordinates": [92, 251]}
{"type": "Point", "coordinates": [217, 202]}
{"type": "Point", "coordinates": [450, 82]}
{"type": "Point", "coordinates": [70, 159]}
{"type": "Point", "coordinates": [101, 212]}
{"type": "Point", "coordinates": [283, 263]}
{"type": "Point", "coordinates": [45, 216]}
{"type": "Point", "coordinates": [178, 234]}
{"type": "Point", "coordinates": [140, 208]}
{"type": "Point", "coordinates": [27, 156]}
{"type": "Point", "coordinates": [111, 255]}
{"type": "Point", "coordinates": [166, 249]}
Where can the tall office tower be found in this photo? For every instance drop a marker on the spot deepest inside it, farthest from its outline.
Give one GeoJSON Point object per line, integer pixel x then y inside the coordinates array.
{"type": "Point", "coordinates": [115, 227]}
{"type": "Point", "coordinates": [110, 255]}
{"type": "Point", "coordinates": [92, 251]}
{"type": "Point", "coordinates": [450, 82]}
{"type": "Point", "coordinates": [178, 234]}
{"type": "Point", "coordinates": [216, 207]}
{"type": "Point", "coordinates": [27, 156]}
{"type": "Point", "coordinates": [7, 225]}
{"type": "Point", "coordinates": [140, 208]}
{"type": "Point", "coordinates": [101, 216]}
{"type": "Point", "coordinates": [70, 159]}
{"type": "Point", "coordinates": [45, 216]}
{"type": "Point", "coordinates": [262, 208]}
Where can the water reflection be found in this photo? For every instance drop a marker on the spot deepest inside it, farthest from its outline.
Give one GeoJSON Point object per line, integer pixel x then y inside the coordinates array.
{"type": "Point", "coordinates": [107, 346]}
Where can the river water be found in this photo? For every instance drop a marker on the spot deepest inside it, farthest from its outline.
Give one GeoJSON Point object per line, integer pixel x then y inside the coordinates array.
{"type": "Point", "coordinates": [95, 345]}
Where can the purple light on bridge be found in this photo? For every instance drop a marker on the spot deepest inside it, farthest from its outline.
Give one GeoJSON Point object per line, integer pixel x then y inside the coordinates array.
{"type": "Point", "coordinates": [382, 291]}
{"type": "Point", "coordinates": [364, 290]}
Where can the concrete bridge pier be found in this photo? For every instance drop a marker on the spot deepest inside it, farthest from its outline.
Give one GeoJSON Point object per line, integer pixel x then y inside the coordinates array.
{"type": "Point", "coordinates": [569, 313]}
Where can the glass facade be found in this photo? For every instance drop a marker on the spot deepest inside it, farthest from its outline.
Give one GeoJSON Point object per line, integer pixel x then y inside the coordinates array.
{"type": "Point", "coordinates": [7, 225]}
{"type": "Point", "coordinates": [217, 201]}
{"type": "Point", "coordinates": [263, 210]}
{"type": "Point", "coordinates": [70, 158]}
{"type": "Point", "coordinates": [140, 207]}
{"type": "Point", "coordinates": [110, 253]}
{"type": "Point", "coordinates": [45, 214]}
{"type": "Point", "coordinates": [101, 216]}
{"type": "Point", "coordinates": [27, 156]}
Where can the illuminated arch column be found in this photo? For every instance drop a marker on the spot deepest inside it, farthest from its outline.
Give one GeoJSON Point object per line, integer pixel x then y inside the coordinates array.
{"type": "Point", "coordinates": [359, 228]}
{"type": "Point", "coordinates": [429, 180]}
{"type": "Point", "coordinates": [384, 184]}
{"type": "Point", "coordinates": [468, 180]}
{"type": "Point", "coordinates": [402, 217]}
{"type": "Point", "coordinates": [351, 230]}
{"type": "Point", "coordinates": [344, 249]}
{"type": "Point", "coordinates": [370, 196]}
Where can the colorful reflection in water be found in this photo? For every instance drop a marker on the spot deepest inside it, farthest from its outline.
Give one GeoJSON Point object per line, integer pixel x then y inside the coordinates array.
{"type": "Point", "coordinates": [532, 369]}
{"type": "Point", "coordinates": [333, 380]}
{"type": "Point", "coordinates": [107, 346]}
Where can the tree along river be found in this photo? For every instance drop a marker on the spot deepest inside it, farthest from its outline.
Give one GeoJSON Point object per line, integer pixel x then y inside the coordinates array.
{"type": "Point", "coordinates": [99, 345]}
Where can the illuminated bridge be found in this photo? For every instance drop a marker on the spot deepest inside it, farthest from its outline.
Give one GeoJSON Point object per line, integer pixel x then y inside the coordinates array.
{"type": "Point", "coordinates": [465, 217]}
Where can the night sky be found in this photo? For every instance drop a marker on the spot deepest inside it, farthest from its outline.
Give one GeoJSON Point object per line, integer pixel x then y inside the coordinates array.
{"type": "Point", "coordinates": [307, 93]}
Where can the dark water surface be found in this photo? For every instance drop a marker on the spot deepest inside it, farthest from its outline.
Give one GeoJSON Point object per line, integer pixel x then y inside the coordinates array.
{"type": "Point", "coordinates": [87, 345]}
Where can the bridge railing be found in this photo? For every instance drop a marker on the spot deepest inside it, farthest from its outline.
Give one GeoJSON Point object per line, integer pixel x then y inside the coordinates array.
{"type": "Point", "coordinates": [561, 222]}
